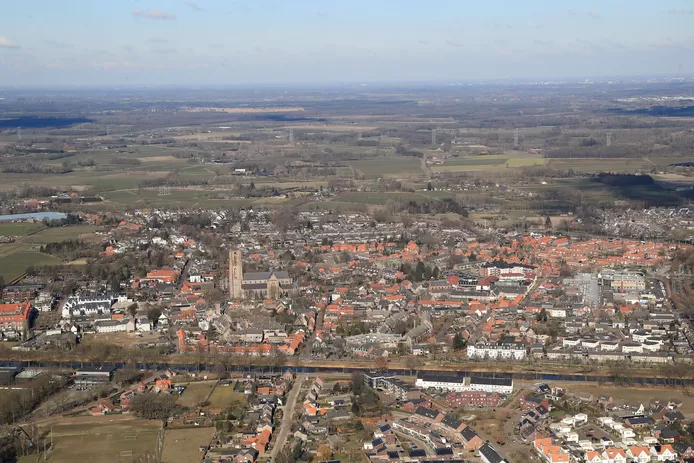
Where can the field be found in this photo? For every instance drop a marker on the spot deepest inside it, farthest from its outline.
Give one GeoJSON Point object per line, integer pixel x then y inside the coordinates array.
{"type": "Point", "coordinates": [488, 162]}
{"type": "Point", "coordinates": [19, 228]}
{"type": "Point", "coordinates": [196, 393]}
{"type": "Point", "coordinates": [15, 264]}
{"type": "Point", "coordinates": [225, 396]}
{"type": "Point", "coordinates": [183, 445]}
{"type": "Point", "coordinates": [388, 167]}
{"type": "Point", "coordinates": [58, 234]}
{"type": "Point", "coordinates": [86, 440]}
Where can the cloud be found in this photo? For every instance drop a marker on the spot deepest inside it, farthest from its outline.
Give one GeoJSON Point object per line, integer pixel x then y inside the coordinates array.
{"type": "Point", "coordinates": [194, 6]}
{"type": "Point", "coordinates": [593, 14]}
{"type": "Point", "coordinates": [453, 43]}
{"type": "Point", "coordinates": [158, 40]}
{"type": "Point", "coordinates": [544, 43]}
{"type": "Point", "coordinates": [6, 43]}
{"type": "Point", "coordinates": [680, 11]}
{"type": "Point", "coordinates": [153, 14]}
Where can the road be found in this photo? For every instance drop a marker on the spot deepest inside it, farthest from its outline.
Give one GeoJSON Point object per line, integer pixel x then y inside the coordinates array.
{"type": "Point", "coordinates": [286, 425]}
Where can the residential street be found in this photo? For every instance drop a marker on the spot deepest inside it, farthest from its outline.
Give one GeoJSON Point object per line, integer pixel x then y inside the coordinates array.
{"type": "Point", "coordinates": [289, 407]}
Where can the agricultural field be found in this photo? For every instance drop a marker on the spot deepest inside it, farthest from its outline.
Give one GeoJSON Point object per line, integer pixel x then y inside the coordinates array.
{"type": "Point", "coordinates": [489, 162]}
{"type": "Point", "coordinates": [225, 397]}
{"type": "Point", "coordinates": [58, 234]}
{"type": "Point", "coordinates": [15, 264]}
{"type": "Point", "coordinates": [20, 228]}
{"type": "Point", "coordinates": [388, 167]}
{"type": "Point", "coordinates": [183, 445]}
{"type": "Point", "coordinates": [196, 393]}
{"type": "Point", "coordinates": [84, 440]}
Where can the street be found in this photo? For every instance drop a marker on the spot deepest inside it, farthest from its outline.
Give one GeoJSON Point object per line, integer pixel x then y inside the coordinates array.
{"type": "Point", "coordinates": [286, 425]}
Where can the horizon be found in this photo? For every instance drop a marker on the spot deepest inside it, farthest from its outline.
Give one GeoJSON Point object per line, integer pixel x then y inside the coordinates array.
{"type": "Point", "coordinates": [268, 42]}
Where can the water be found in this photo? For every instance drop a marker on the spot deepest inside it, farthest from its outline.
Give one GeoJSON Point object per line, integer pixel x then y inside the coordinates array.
{"type": "Point", "coordinates": [34, 215]}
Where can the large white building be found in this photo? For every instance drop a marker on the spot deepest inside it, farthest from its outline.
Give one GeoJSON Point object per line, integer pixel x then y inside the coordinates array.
{"type": "Point", "coordinates": [88, 305]}
{"type": "Point", "coordinates": [466, 383]}
{"type": "Point", "coordinates": [503, 351]}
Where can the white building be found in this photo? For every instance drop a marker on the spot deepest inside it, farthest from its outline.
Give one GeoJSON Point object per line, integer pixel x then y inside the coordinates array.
{"type": "Point", "coordinates": [502, 351]}
{"type": "Point", "coordinates": [111, 326]}
{"type": "Point", "coordinates": [461, 384]}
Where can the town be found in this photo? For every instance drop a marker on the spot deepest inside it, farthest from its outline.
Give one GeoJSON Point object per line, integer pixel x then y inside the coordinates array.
{"type": "Point", "coordinates": [257, 297]}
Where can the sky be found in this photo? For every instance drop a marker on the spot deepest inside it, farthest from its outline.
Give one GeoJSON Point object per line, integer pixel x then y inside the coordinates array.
{"type": "Point", "coordinates": [239, 42]}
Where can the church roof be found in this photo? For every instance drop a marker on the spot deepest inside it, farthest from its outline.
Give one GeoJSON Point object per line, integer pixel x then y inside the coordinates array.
{"type": "Point", "coordinates": [280, 274]}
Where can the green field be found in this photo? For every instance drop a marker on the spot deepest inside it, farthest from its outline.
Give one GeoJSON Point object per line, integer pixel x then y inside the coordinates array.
{"type": "Point", "coordinates": [20, 228]}
{"type": "Point", "coordinates": [104, 441]}
{"type": "Point", "coordinates": [488, 162]}
{"type": "Point", "coordinates": [58, 234]}
{"type": "Point", "coordinates": [226, 397]}
{"type": "Point", "coordinates": [15, 264]}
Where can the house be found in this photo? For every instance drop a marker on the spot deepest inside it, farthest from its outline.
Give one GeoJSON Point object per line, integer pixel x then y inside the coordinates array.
{"type": "Point", "coordinates": [663, 452]}
{"type": "Point", "coordinates": [489, 455]}
{"type": "Point", "coordinates": [639, 453]}
{"type": "Point", "coordinates": [471, 440]}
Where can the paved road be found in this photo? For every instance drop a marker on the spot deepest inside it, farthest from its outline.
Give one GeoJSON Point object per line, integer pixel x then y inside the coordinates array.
{"type": "Point", "coordinates": [286, 424]}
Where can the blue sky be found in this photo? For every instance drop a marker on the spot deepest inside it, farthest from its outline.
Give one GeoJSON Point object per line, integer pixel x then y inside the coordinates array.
{"type": "Point", "coordinates": [231, 42]}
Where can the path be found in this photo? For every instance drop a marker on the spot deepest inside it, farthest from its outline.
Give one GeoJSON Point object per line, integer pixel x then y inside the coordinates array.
{"type": "Point", "coordinates": [286, 425]}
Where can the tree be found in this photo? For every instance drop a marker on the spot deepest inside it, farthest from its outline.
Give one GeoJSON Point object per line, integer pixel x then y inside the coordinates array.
{"type": "Point", "coordinates": [357, 382]}
{"type": "Point", "coordinates": [132, 309]}
{"type": "Point", "coordinates": [548, 223]}
{"type": "Point", "coordinates": [459, 342]}
{"type": "Point", "coordinates": [153, 314]}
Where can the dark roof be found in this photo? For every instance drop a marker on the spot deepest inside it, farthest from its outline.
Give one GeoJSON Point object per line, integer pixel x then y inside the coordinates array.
{"type": "Point", "coordinates": [667, 432]}
{"type": "Point", "coordinates": [491, 381]}
{"type": "Point", "coordinates": [417, 453]}
{"type": "Point", "coordinates": [468, 434]}
{"type": "Point", "coordinates": [441, 378]}
{"type": "Point", "coordinates": [638, 420]}
{"type": "Point", "coordinates": [427, 412]}
{"type": "Point", "coordinates": [490, 454]}
{"type": "Point", "coordinates": [451, 421]}
{"type": "Point", "coordinates": [444, 451]}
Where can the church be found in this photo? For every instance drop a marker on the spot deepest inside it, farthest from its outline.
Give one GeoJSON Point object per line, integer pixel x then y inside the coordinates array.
{"type": "Point", "coordinates": [256, 285]}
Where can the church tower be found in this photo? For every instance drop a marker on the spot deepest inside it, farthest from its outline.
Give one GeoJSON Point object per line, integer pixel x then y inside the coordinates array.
{"type": "Point", "coordinates": [235, 274]}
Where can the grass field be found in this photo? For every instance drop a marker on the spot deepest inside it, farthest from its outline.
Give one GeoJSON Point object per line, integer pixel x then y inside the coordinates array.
{"type": "Point", "coordinates": [489, 162]}
{"type": "Point", "coordinates": [196, 393]}
{"type": "Point", "coordinates": [183, 445]}
{"type": "Point", "coordinates": [15, 264]}
{"type": "Point", "coordinates": [388, 167]}
{"type": "Point", "coordinates": [20, 228]}
{"type": "Point", "coordinates": [58, 234]}
{"type": "Point", "coordinates": [225, 397]}
{"type": "Point", "coordinates": [104, 441]}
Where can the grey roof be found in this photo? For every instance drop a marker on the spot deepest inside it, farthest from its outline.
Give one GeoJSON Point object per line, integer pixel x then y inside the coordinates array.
{"type": "Point", "coordinates": [490, 454]}
{"type": "Point", "coordinates": [280, 274]}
